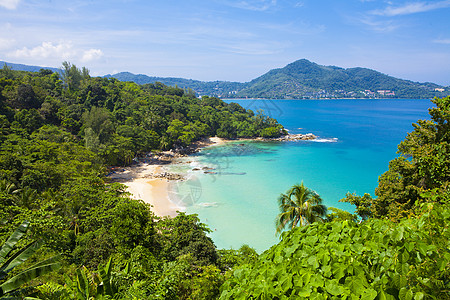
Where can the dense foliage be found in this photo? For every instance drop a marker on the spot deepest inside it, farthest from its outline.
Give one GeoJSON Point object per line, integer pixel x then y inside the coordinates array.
{"type": "Point", "coordinates": [118, 120]}
{"type": "Point", "coordinates": [345, 260]}
{"type": "Point", "coordinates": [210, 88]}
{"type": "Point", "coordinates": [58, 135]}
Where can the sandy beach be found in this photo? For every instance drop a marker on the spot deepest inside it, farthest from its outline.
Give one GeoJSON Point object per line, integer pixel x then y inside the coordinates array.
{"type": "Point", "coordinates": [144, 182]}
{"type": "Point", "coordinates": [149, 181]}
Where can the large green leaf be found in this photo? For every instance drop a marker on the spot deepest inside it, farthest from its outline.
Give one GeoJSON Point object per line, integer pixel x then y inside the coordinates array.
{"type": "Point", "coordinates": [33, 272]}
{"type": "Point", "coordinates": [334, 288]}
{"type": "Point", "coordinates": [12, 240]}
{"type": "Point", "coordinates": [397, 234]}
{"type": "Point", "coordinates": [82, 284]}
{"type": "Point", "coordinates": [105, 273]}
{"type": "Point", "coordinates": [19, 257]}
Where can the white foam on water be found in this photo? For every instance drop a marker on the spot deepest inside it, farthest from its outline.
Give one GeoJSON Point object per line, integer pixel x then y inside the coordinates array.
{"type": "Point", "coordinates": [207, 204]}
{"type": "Point", "coordinates": [321, 140]}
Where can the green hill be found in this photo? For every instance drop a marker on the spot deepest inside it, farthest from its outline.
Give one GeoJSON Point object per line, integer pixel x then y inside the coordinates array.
{"type": "Point", "coordinates": [210, 88]}
{"type": "Point", "coordinates": [21, 67]}
{"type": "Point", "coordinates": [304, 79]}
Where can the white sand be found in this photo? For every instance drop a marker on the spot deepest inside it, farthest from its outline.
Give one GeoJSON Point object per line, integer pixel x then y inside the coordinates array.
{"type": "Point", "coordinates": [154, 191]}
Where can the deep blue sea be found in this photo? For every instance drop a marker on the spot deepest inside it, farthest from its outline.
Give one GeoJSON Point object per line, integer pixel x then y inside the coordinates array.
{"type": "Point", "coordinates": [357, 139]}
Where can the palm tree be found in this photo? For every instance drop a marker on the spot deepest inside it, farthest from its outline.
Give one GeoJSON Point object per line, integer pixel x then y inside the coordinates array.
{"type": "Point", "coordinates": [27, 197]}
{"type": "Point", "coordinates": [8, 187]}
{"type": "Point", "coordinates": [300, 205]}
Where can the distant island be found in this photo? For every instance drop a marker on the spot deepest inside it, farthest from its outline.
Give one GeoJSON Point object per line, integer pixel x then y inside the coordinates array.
{"type": "Point", "coordinates": [301, 79]}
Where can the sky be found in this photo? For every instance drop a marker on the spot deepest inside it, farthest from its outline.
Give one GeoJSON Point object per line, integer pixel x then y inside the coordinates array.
{"type": "Point", "coordinates": [229, 40]}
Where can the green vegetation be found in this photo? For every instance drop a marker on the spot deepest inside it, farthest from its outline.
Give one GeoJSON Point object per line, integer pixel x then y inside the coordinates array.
{"type": "Point", "coordinates": [9, 285]}
{"type": "Point", "coordinates": [58, 137]}
{"type": "Point", "coordinates": [303, 79]}
{"type": "Point", "coordinates": [301, 206]}
{"type": "Point", "coordinates": [210, 88]}
{"type": "Point", "coordinates": [377, 259]}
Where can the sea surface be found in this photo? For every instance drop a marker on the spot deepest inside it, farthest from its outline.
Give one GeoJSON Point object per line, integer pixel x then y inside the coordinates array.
{"type": "Point", "coordinates": [237, 197]}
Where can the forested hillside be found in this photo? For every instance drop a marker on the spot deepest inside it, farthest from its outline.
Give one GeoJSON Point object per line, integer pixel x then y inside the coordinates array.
{"type": "Point", "coordinates": [210, 88]}
{"type": "Point", "coordinates": [303, 79]}
{"type": "Point", "coordinates": [58, 135]}
{"type": "Point", "coordinates": [22, 67]}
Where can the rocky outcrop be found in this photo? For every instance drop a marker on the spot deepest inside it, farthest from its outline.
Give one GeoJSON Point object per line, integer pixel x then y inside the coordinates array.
{"type": "Point", "coordinates": [294, 137]}
{"type": "Point", "coordinates": [169, 176]}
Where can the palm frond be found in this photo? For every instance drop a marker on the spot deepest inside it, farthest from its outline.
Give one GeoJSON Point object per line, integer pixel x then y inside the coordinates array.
{"type": "Point", "coordinates": [299, 206]}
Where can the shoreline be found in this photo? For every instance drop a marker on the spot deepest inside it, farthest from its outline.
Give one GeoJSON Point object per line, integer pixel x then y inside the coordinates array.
{"type": "Point", "coordinates": [150, 182]}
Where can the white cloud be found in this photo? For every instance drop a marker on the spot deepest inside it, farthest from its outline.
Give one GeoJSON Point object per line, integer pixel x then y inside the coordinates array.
{"type": "Point", "coordinates": [91, 54]}
{"type": "Point", "coordinates": [379, 26]}
{"type": "Point", "coordinates": [411, 8]}
{"type": "Point", "coordinates": [9, 4]}
{"type": "Point", "coordinates": [63, 50]}
{"type": "Point", "coordinates": [256, 5]}
{"type": "Point", "coordinates": [442, 41]}
{"type": "Point", "coordinates": [6, 43]}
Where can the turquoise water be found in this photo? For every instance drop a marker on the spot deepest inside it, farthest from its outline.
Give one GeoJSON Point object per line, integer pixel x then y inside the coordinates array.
{"type": "Point", "coordinates": [238, 200]}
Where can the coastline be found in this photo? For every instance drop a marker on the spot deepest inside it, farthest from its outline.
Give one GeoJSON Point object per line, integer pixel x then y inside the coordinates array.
{"type": "Point", "coordinates": [149, 181]}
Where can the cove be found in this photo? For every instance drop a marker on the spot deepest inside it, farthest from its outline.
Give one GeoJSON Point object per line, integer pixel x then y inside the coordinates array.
{"type": "Point", "coordinates": [357, 139]}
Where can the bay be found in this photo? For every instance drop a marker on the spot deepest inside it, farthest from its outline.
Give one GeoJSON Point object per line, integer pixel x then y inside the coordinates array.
{"type": "Point", "coordinates": [357, 139]}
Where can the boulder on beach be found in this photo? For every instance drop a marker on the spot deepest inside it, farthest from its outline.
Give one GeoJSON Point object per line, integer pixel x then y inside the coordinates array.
{"type": "Point", "coordinates": [296, 137]}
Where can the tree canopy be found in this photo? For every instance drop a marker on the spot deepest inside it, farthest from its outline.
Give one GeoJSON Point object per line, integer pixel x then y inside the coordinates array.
{"type": "Point", "coordinates": [299, 206]}
{"type": "Point", "coordinates": [59, 135]}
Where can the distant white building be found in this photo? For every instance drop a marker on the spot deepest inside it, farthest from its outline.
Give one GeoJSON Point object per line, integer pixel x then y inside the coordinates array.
{"type": "Point", "coordinates": [386, 92]}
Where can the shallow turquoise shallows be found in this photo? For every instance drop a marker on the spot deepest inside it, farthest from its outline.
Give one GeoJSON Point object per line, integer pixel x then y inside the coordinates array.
{"type": "Point", "coordinates": [357, 139]}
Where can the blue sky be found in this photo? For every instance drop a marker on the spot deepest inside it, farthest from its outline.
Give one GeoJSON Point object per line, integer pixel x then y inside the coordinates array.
{"type": "Point", "coordinates": [229, 40]}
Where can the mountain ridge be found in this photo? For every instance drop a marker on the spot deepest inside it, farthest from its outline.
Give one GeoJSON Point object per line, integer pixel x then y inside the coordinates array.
{"type": "Point", "coordinates": [28, 68]}
{"type": "Point", "coordinates": [301, 79]}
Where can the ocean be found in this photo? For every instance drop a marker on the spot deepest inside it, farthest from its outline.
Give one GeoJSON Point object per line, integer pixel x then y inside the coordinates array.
{"type": "Point", "coordinates": [237, 198]}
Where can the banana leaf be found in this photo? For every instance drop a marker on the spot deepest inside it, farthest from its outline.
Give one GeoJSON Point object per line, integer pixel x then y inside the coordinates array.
{"type": "Point", "coordinates": [12, 241]}
{"type": "Point", "coordinates": [31, 273]}
{"type": "Point", "coordinates": [18, 258]}
{"type": "Point", "coordinates": [83, 284]}
{"type": "Point", "coordinates": [105, 273]}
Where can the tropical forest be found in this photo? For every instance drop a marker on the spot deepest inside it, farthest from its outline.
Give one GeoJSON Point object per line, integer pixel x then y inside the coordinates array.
{"type": "Point", "coordinates": [68, 232]}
